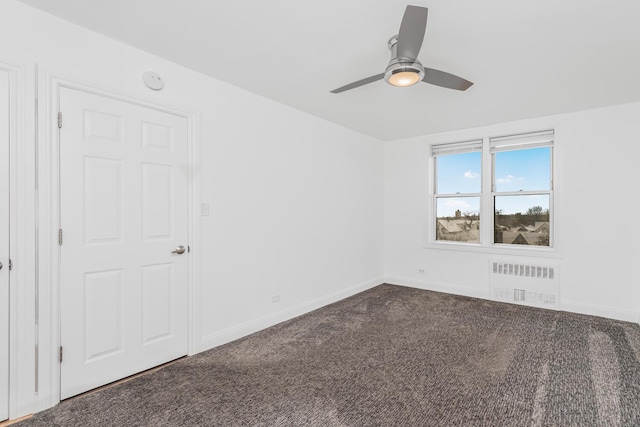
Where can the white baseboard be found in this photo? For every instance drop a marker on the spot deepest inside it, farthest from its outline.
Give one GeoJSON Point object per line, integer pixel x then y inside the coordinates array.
{"type": "Point", "coordinates": [466, 291]}
{"type": "Point", "coordinates": [252, 326]}
{"type": "Point", "coordinates": [599, 310]}
{"type": "Point", "coordinates": [569, 306]}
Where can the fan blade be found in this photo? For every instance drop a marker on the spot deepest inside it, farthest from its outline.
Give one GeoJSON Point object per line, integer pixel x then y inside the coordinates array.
{"type": "Point", "coordinates": [359, 83]}
{"type": "Point", "coordinates": [411, 34]}
{"type": "Point", "coordinates": [440, 78]}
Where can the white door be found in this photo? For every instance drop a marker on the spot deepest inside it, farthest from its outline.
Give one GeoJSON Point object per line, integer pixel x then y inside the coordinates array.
{"type": "Point", "coordinates": [123, 198]}
{"type": "Point", "coordinates": [4, 245]}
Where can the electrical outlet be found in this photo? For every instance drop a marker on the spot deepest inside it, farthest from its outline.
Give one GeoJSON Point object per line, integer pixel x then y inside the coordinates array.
{"type": "Point", "coordinates": [421, 270]}
{"type": "Point", "coordinates": [275, 298]}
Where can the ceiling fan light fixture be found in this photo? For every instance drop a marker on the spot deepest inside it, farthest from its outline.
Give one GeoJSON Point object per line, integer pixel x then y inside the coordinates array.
{"type": "Point", "coordinates": [403, 75]}
{"type": "Point", "coordinates": [404, 78]}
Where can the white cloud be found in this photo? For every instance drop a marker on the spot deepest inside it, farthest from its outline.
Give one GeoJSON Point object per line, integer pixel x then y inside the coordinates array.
{"type": "Point", "coordinates": [457, 203]}
{"type": "Point", "coordinates": [471, 175]}
{"type": "Point", "coordinates": [505, 180]}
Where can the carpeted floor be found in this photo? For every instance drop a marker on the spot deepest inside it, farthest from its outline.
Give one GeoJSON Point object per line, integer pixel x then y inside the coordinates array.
{"type": "Point", "coordinates": [391, 356]}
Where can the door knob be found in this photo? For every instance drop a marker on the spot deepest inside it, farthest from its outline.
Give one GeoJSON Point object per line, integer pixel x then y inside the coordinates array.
{"type": "Point", "coordinates": [179, 250]}
{"type": "Point", "coordinates": [1, 266]}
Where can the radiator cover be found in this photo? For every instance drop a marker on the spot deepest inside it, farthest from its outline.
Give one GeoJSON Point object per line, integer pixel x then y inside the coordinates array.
{"type": "Point", "coordinates": [524, 282]}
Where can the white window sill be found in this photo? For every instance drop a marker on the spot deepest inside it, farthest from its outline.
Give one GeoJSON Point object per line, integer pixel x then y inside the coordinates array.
{"type": "Point", "coordinates": [532, 251]}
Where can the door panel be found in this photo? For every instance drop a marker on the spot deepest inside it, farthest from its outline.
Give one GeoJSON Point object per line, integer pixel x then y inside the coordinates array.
{"type": "Point", "coordinates": [123, 187]}
{"type": "Point", "coordinates": [103, 200]}
{"type": "Point", "coordinates": [103, 304]}
{"type": "Point", "coordinates": [157, 201]}
{"type": "Point", "coordinates": [157, 313]}
{"type": "Point", "coordinates": [4, 245]}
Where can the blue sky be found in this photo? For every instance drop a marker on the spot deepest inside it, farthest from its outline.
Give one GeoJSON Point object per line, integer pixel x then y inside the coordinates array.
{"type": "Point", "coordinates": [515, 170]}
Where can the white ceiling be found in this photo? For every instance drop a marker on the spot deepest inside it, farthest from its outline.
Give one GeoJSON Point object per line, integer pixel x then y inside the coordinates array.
{"type": "Point", "coordinates": [526, 58]}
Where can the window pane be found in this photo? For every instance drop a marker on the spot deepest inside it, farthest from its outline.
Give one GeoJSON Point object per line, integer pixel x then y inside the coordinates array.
{"type": "Point", "coordinates": [459, 173]}
{"type": "Point", "coordinates": [527, 170]}
{"type": "Point", "coordinates": [522, 220]}
{"type": "Point", "coordinates": [458, 219]}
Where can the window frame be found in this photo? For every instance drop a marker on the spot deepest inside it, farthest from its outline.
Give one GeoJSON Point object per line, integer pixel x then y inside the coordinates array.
{"type": "Point", "coordinates": [487, 198]}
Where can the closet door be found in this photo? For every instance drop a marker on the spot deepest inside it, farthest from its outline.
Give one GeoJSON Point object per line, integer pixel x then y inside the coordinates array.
{"type": "Point", "coordinates": [4, 245]}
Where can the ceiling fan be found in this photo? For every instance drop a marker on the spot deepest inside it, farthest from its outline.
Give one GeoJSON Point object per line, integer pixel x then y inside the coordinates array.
{"type": "Point", "coordinates": [404, 69]}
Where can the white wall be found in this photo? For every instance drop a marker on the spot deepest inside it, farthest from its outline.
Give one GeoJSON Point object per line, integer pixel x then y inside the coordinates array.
{"type": "Point", "coordinates": [596, 208]}
{"type": "Point", "coordinates": [296, 202]}
{"type": "Point", "coordinates": [292, 200]}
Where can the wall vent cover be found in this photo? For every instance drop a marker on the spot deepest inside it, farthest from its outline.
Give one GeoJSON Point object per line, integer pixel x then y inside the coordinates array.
{"type": "Point", "coordinates": [525, 283]}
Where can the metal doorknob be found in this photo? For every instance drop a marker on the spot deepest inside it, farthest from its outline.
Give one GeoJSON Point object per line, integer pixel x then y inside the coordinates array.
{"type": "Point", "coordinates": [1, 266]}
{"type": "Point", "coordinates": [179, 250]}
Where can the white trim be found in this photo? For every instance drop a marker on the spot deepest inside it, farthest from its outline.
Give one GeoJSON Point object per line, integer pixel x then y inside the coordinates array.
{"type": "Point", "coordinates": [531, 251]}
{"type": "Point", "coordinates": [567, 306]}
{"type": "Point", "coordinates": [427, 285]}
{"type": "Point", "coordinates": [22, 246]}
{"type": "Point", "coordinates": [252, 326]}
{"type": "Point", "coordinates": [599, 310]}
{"type": "Point", "coordinates": [195, 233]}
{"type": "Point", "coordinates": [49, 220]}
{"type": "Point", "coordinates": [47, 385]}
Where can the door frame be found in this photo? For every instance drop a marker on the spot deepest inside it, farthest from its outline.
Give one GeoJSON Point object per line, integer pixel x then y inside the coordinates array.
{"type": "Point", "coordinates": [48, 366]}
{"type": "Point", "coordinates": [21, 242]}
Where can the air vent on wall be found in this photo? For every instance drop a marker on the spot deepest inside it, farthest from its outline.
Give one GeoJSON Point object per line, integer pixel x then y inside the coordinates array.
{"type": "Point", "coordinates": [525, 283]}
{"type": "Point", "coordinates": [524, 270]}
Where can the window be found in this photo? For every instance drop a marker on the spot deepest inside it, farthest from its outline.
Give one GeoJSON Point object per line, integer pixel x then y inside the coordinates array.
{"type": "Point", "coordinates": [458, 191]}
{"type": "Point", "coordinates": [514, 199]}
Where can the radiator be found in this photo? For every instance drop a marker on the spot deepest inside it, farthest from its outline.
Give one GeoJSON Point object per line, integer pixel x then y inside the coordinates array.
{"type": "Point", "coordinates": [525, 283]}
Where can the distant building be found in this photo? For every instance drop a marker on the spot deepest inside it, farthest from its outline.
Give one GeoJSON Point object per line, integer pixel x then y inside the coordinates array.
{"type": "Point", "coordinates": [521, 239]}
{"type": "Point", "coordinates": [541, 227]}
{"type": "Point", "coordinates": [460, 230]}
{"type": "Point", "coordinates": [522, 236]}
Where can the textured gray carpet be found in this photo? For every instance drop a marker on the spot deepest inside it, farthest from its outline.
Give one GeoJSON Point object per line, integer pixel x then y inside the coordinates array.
{"type": "Point", "coordinates": [391, 356]}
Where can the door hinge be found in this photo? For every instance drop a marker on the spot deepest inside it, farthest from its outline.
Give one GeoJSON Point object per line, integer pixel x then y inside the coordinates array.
{"type": "Point", "coordinates": [59, 120]}
{"type": "Point", "coordinates": [60, 354]}
{"type": "Point", "coordinates": [60, 237]}
{"type": "Point", "coordinates": [10, 265]}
